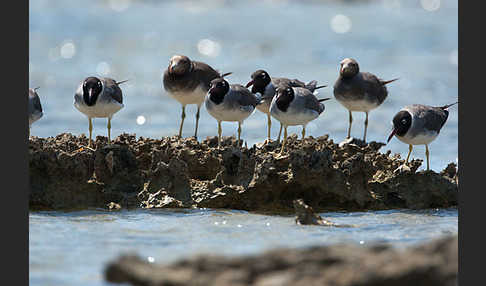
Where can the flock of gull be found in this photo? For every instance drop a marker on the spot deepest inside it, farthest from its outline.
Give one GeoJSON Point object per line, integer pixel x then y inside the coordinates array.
{"type": "Point", "coordinates": [290, 101]}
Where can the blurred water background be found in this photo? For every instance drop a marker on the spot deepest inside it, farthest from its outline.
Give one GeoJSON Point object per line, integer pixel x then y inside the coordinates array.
{"type": "Point", "coordinates": [416, 41]}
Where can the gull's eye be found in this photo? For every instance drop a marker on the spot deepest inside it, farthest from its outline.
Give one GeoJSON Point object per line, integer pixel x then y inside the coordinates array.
{"type": "Point", "coordinates": [404, 121]}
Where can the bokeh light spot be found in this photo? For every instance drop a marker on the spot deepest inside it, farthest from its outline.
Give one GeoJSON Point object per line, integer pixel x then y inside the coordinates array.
{"type": "Point", "coordinates": [68, 50]}
{"type": "Point", "coordinates": [141, 120]}
{"type": "Point", "coordinates": [341, 24]}
{"type": "Point", "coordinates": [208, 47]}
{"type": "Point", "coordinates": [430, 5]}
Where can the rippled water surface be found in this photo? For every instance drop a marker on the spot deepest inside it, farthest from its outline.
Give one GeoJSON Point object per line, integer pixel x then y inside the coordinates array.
{"type": "Point", "coordinates": [413, 40]}
{"type": "Point", "coordinates": [73, 248]}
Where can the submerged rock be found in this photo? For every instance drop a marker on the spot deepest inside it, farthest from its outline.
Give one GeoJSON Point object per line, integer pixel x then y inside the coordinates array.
{"type": "Point", "coordinates": [173, 172]}
{"type": "Point", "coordinates": [432, 264]}
{"type": "Point", "coordinates": [113, 206]}
{"type": "Point", "coordinates": [305, 215]}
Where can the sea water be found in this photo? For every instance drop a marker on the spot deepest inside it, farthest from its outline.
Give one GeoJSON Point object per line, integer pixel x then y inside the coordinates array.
{"type": "Point", "coordinates": [72, 248]}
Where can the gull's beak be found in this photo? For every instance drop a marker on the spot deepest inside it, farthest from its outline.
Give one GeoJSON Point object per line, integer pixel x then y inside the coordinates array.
{"type": "Point", "coordinates": [391, 135]}
{"type": "Point", "coordinates": [250, 83]}
{"type": "Point", "coordinates": [344, 68]}
{"type": "Point", "coordinates": [211, 89]}
{"type": "Point", "coordinates": [171, 66]}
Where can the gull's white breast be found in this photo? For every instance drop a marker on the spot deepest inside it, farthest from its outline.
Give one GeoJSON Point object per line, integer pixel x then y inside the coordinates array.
{"type": "Point", "coordinates": [192, 97]}
{"type": "Point", "coordinates": [419, 139]}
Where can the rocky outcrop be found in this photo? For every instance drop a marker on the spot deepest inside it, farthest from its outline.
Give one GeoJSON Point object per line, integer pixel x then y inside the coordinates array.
{"type": "Point", "coordinates": [172, 172]}
{"type": "Point", "coordinates": [432, 264]}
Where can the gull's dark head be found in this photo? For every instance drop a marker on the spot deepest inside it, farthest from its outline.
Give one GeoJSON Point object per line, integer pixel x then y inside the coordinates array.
{"type": "Point", "coordinates": [348, 68]}
{"type": "Point", "coordinates": [401, 124]}
{"type": "Point", "coordinates": [259, 80]}
{"type": "Point", "coordinates": [33, 92]}
{"type": "Point", "coordinates": [179, 65]}
{"type": "Point", "coordinates": [35, 106]}
{"type": "Point", "coordinates": [92, 88]}
{"type": "Point", "coordinates": [284, 97]}
{"type": "Point", "coordinates": [218, 88]}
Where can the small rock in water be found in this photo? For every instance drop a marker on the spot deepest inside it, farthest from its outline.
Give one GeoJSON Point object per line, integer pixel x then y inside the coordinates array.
{"type": "Point", "coordinates": [305, 215]}
{"type": "Point", "coordinates": [113, 206]}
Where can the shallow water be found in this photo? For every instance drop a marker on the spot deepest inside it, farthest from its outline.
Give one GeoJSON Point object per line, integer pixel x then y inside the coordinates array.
{"type": "Point", "coordinates": [135, 39]}
{"type": "Point", "coordinates": [73, 248]}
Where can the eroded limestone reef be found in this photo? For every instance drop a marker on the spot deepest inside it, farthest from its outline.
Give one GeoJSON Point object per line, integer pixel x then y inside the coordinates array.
{"type": "Point", "coordinates": [184, 173]}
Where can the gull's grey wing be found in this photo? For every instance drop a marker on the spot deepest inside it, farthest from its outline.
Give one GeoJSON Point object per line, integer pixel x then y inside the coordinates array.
{"type": "Point", "coordinates": [428, 117]}
{"type": "Point", "coordinates": [112, 90]}
{"type": "Point", "coordinates": [35, 101]}
{"type": "Point", "coordinates": [243, 96]}
{"type": "Point", "coordinates": [310, 100]}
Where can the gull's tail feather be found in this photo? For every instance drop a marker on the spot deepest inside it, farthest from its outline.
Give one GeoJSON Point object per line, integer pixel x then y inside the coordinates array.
{"type": "Point", "coordinates": [120, 82]}
{"type": "Point", "coordinates": [312, 85]}
{"type": "Point", "coordinates": [385, 82]}
{"type": "Point", "coordinates": [448, 105]}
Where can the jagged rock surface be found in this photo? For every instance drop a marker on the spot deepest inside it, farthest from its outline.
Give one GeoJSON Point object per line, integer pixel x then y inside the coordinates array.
{"type": "Point", "coordinates": [172, 172]}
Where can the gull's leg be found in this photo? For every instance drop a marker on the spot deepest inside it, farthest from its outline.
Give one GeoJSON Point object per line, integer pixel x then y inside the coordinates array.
{"type": "Point", "coordinates": [427, 155]}
{"type": "Point", "coordinates": [183, 115]}
{"type": "Point", "coordinates": [279, 133]}
{"type": "Point", "coordinates": [285, 140]}
{"type": "Point", "coordinates": [219, 134]}
{"type": "Point", "coordinates": [303, 132]}
{"type": "Point", "coordinates": [239, 133]}
{"type": "Point", "coordinates": [410, 147]}
{"type": "Point", "coordinates": [366, 126]}
{"type": "Point", "coordinates": [90, 131]}
{"type": "Point", "coordinates": [350, 122]}
{"type": "Point", "coordinates": [197, 119]}
{"type": "Point", "coordinates": [109, 130]}
{"type": "Point", "coordinates": [269, 124]}
{"type": "Point", "coordinates": [89, 142]}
